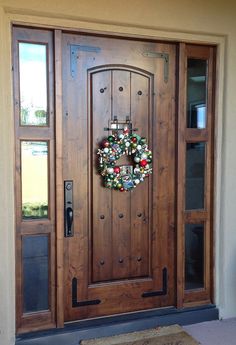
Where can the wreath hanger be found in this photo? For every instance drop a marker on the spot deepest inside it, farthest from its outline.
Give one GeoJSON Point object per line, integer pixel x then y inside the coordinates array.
{"type": "Point", "coordinates": [116, 126]}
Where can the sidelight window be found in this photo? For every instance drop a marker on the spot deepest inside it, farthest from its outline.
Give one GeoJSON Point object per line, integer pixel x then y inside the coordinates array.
{"type": "Point", "coordinates": [35, 211]}
{"type": "Point", "coordinates": [195, 173]}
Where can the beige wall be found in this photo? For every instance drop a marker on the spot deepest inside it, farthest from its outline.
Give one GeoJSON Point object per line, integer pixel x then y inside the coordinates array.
{"type": "Point", "coordinates": [202, 21]}
{"type": "Point", "coordinates": [7, 313]}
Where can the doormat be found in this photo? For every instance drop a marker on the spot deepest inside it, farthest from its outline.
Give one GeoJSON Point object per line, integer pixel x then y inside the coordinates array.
{"type": "Point", "coordinates": [170, 335]}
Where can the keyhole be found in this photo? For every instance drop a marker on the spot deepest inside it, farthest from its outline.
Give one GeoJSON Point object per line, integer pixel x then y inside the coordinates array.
{"type": "Point", "coordinates": [140, 93]}
{"type": "Point", "coordinates": [121, 89]}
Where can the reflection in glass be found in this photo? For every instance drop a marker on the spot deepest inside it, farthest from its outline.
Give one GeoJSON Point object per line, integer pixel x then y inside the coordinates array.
{"type": "Point", "coordinates": [33, 84]}
{"type": "Point", "coordinates": [34, 177]}
{"type": "Point", "coordinates": [195, 173]}
{"type": "Point", "coordinates": [196, 93]}
{"type": "Point", "coordinates": [194, 256]}
{"type": "Point", "coordinates": [35, 273]}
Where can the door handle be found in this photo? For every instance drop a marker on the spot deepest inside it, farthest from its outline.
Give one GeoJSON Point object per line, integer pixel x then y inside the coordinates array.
{"type": "Point", "coordinates": [68, 209]}
{"type": "Point", "coordinates": [69, 220]}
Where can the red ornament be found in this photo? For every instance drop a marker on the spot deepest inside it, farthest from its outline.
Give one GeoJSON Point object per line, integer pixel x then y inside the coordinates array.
{"type": "Point", "coordinates": [134, 140]}
{"type": "Point", "coordinates": [116, 170]}
{"type": "Point", "coordinates": [122, 189]}
{"type": "Point", "coordinates": [126, 130]}
{"type": "Point", "coordinates": [105, 143]}
{"type": "Point", "coordinates": [143, 163]}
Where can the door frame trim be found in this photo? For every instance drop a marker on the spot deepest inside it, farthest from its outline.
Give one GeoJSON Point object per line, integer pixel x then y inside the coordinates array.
{"type": "Point", "coordinates": [29, 19]}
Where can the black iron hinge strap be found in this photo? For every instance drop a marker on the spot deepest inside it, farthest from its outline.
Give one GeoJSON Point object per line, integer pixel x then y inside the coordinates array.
{"type": "Point", "coordinates": [163, 56]}
{"type": "Point", "coordinates": [74, 49]}
{"type": "Point", "coordinates": [164, 286]}
{"type": "Point", "coordinates": [75, 302]}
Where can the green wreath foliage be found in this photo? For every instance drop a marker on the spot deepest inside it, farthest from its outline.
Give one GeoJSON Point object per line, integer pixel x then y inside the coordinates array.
{"type": "Point", "coordinates": [123, 178]}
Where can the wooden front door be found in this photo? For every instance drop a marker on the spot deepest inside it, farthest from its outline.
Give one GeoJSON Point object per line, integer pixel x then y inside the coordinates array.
{"type": "Point", "coordinates": [120, 256]}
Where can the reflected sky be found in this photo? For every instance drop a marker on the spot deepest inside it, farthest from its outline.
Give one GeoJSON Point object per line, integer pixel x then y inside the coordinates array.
{"type": "Point", "coordinates": [33, 83]}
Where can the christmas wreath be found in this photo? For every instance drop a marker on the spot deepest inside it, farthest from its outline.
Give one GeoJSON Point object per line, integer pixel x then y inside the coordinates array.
{"type": "Point", "coordinates": [126, 177]}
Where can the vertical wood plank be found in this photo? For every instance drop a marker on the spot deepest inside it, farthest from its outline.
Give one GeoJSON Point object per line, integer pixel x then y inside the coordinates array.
{"type": "Point", "coordinates": [76, 162]}
{"type": "Point", "coordinates": [164, 175]}
{"type": "Point", "coordinates": [101, 226]}
{"type": "Point", "coordinates": [121, 200]}
{"type": "Point", "coordinates": [121, 94]}
{"type": "Point", "coordinates": [181, 173]}
{"type": "Point", "coordinates": [140, 218]}
{"type": "Point", "coordinates": [59, 180]}
{"type": "Point", "coordinates": [209, 178]}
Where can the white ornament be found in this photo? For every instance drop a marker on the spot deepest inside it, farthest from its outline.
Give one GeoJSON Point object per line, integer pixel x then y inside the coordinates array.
{"type": "Point", "coordinates": [136, 181]}
{"type": "Point", "coordinates": [110, 170]}
{"type": "Point", "coordinates": [144, 156]}
{"type": "Point", "coordinates": [139, 147]}
{"type": "Point", "coordinates": [106, 150]}
{"type": "Point", "coordinates": [121, 136]}
{"type": "Point", "coordinates": [127, 144]}
{"type": "Point", "coordinates": [137, 159]}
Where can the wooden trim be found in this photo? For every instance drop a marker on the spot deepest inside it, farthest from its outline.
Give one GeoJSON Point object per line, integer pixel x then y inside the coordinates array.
{"type": "Point", "coordinates": [181, 174]}
{"type": "Point", "coordinates": [194, 135]}
{"type": "Point", "coordinates": [212, 216]}
{"type": "Point", "coordinates": [43, 321]}
{"type": "Point", "coordinates": [59, 180]}
{"type": "Point", "coordinates": [194, 216]}
{"type": "Point", "coordinates": [197, 303]}
{"type": "Point", "coordinates": [196, 51]}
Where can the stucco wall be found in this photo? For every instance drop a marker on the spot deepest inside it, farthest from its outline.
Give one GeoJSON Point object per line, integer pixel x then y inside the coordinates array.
{"type": "Point", "coordinates": [203, 21]}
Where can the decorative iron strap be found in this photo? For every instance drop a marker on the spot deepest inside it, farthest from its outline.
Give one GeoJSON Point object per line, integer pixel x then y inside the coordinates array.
{"type": "Point", "coordinates": [75, 302]}
{"type": "Point", "coordinates": [164, 56]}
{"type": "Point", "coordinates": [159, 292]}
{"type": "Point", "coordinates": [74, 49]}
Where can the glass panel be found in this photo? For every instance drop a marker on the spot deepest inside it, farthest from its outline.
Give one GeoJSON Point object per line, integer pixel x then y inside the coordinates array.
{"type": "Point", "coordinates": [34, 176]}
{"type": "Point", "coordinates": [33, 84]}
{"type": "Point", "coordinates": [194, 256]}
{"type": "Point", "coordinates": [196, 93]}
{"type": "Point", "coordinates": [35, 273]}
{"type": "Point", "coordinates": [195, 173]}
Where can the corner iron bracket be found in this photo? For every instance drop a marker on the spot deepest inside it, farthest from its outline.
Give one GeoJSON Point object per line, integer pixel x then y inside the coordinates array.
{"type": "Point", "coordinates": [164, 56]}
{"type": "Point", "coordinates": [159, 292]}
{"type": "Point", "coordinates": [74, 49]}
{"type": "Point", "coordinates": [75, 302]}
